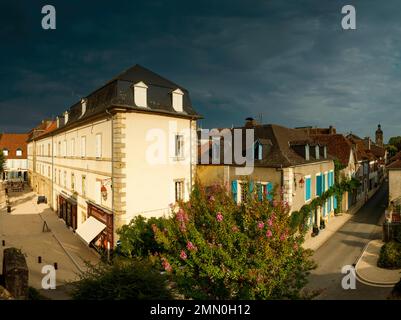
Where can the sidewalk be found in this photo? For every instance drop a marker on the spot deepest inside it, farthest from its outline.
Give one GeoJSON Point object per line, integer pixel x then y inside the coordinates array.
{"type": "Point", "coordinates": [369, 273]}
{"type": "Point", "coordinates": [334, 224]}
{"type": "Point", "coordinates": [22, 229]}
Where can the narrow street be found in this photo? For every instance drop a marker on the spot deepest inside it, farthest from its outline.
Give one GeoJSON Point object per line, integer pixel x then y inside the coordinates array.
{"type": "Point", "coordinates": [344, 248]}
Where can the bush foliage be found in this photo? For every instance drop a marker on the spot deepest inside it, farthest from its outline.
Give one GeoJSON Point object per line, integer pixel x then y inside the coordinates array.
{"type": "Point", "coordinates": [213, 248]}
{"type": "Point", "coordinates": [390, 255]}
{"type": "Point", "coordinates": [123, 280]}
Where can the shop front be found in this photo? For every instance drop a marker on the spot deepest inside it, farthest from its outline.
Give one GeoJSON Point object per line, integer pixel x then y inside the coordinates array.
{"type": "Point", "coordinates": [67, 210]}
{"type": "Point", "coordinates": [98, 230]}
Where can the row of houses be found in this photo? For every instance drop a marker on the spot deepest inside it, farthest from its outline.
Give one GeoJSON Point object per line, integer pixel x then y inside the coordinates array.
{"type": "Point", "coordinates": [132, 147]}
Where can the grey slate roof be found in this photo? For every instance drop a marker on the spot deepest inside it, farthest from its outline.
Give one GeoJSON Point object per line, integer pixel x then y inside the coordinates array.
{"type": "Point", "coordinates": [119, 92]}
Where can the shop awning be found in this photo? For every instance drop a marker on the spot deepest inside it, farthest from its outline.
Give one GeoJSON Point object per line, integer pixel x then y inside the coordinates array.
{"type": "Point", "coordinates": [90, 229]}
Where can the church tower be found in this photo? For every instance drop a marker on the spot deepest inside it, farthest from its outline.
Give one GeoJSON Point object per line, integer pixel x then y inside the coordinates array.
{"type": "Point", "coordinates": [379, 136]}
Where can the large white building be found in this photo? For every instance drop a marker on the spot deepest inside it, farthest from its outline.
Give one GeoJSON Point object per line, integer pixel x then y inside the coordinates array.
{"type": "Point", "coordinates": [127, 149]}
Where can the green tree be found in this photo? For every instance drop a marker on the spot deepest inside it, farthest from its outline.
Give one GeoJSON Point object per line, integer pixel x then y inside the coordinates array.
{"type": "Point", "coordinates": [396, 142]}
{"type": "Point", "coordinates": [215, 249]}
{"type": "Point", "coordinates": [392, 150]}
{"type": "Point", "coordinates": [123, 280]}
{"type": "Point", "coordinates": [137, 238]}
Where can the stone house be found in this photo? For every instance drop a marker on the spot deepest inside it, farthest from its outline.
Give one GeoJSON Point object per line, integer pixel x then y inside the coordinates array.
{"type": "Point", "coordinates": [126, 149]}
{"type": "Point", "coordinates": [285, 161]}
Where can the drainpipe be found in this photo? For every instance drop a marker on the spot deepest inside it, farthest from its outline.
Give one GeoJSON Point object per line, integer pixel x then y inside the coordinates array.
{"type": "Point", "coordinates": [112, 172]}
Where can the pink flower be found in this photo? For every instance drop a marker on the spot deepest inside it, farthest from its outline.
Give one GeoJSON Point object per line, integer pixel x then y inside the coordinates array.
{"type": "Point", "coordinates": [283, 237]}
{"type": "Point", "coordinates": [166, 265]}
{"type": "Point", "coordinates": [211, 198]}
{"type": "Point", "coordinates": [183, 255]}
{"type": "Point", "coordinates": [183, 227]}
{"type": "Point", "coordinates": [261, 225]}
{"type": "Point", "coordinates": [190, 246]}
{"type": "Point", "coordinates": [182, 216]}
{"type": "Point", "coordinates": [269, 234]}
{"type": "Point", "coordinates": [270, 222]}
{"type": "Point", "coordinates": [235, 229]}
{"type": "Point", "coordinates": [295, 246]}
{"type": "Point", "coordinates": [219, 217]}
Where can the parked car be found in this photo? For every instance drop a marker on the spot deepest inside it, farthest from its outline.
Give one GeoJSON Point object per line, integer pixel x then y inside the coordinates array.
{"type": "Point", "coordinates": [42, 199]}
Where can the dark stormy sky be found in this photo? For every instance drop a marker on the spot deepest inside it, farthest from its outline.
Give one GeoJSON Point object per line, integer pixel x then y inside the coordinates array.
{"type": "Point", "coordinates": [289, 61]}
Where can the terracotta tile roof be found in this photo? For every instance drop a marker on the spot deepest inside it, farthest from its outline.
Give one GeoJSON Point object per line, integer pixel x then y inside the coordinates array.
{"type": "Point", "coordinates": [12, 142]}
{"type": "Point", "coordinates": [397, 156]}
{"type": "Point", "coordinates": [395, 165]}
{"type": "Point", "coordinates": [337, 145]}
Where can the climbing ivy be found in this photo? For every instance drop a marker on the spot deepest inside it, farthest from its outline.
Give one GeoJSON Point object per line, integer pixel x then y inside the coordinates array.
{"type": "Point", "coordinates": [299, 218]}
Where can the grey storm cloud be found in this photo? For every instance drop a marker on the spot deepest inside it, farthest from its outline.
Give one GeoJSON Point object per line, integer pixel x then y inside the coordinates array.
{"type": "Point", "coordinates": [289, 62]}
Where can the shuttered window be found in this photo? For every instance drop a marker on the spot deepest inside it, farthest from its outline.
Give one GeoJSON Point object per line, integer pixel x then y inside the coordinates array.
{"type": "Point", "coordinates": [308, 186]}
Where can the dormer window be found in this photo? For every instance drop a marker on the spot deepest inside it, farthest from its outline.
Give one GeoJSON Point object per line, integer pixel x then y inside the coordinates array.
{"type": "Point", "coordinates": [58, 122]}
{"type": "Point", "coordinates": [141, 94]}
{"type": "Point", "coordinates": [307, 152]}
{"type": "Point", "coordinates": [19, 152]}
{"type": "Point", "coordinates": [177, 100]}
{"type": "Point", "coordinates": [5, 152]}
{"type": "Point", "coordinates": [84, 102]}
{"type": "Point", "coordinates": [258, 151]}
{"type": "Point", "coordinates": [66, 117]}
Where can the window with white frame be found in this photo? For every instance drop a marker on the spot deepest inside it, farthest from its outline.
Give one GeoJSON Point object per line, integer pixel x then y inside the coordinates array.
{"type": "Point", "coordinates": [5, 152]}
{"type": "Point", "coordinates": [83, 146]}
{"type": "Point", "coordinates": [179, 146]}
{"type": "Point", "coordinates": [179, 190]}
{"type": "Point", "coordinates": [65, 148]}
{"type": "Point", "coordinates": [72, 181]}
{"type": "Point", "coordinates": [73, 147]}
{"type": "Point", "coordinates": [98, 145]}
{"type": "Point", "coordinates": [83, 185]}
{"type": "Point", "coordinates": [19, 152]}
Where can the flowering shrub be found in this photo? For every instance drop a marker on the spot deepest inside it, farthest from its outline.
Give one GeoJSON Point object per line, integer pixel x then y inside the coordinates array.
{"type": "Point", "coordinates": [214, 249]}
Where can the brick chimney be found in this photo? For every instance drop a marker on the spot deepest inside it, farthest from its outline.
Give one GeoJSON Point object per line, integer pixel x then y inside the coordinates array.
{"type": "Point", "coordinates": [250, 122]}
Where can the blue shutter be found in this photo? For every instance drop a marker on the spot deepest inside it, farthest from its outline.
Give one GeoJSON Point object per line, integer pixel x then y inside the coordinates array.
{"type": "Point", "coordinates": [269, 194]}
{"type": "Point", "coordinates": [319, 185]}
{"type": "Point", "coordinates": [335, 202]}
{"type": "Point", "coordinates": [308, 189]}
{"type": "Point", "coordinates": [234, 189]}
{"type": "Point", "coordinates": [250, 187]}
{"type": "Point", "coordinates": [260, 153]}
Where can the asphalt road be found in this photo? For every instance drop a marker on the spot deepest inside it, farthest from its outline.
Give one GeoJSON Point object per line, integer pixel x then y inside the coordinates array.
{"type": "Point", "coordinates": [344, 248]}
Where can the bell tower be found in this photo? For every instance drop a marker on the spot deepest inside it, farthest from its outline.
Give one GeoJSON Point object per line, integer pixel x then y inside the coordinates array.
{"type": "Point", "coordinates": [379, 136]}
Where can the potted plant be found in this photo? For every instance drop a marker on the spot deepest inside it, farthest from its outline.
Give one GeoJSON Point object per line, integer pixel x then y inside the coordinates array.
{"type": "Point", "coordinates": [315, 230]}
{"type": "Point", "coordinates": [322, 224]}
